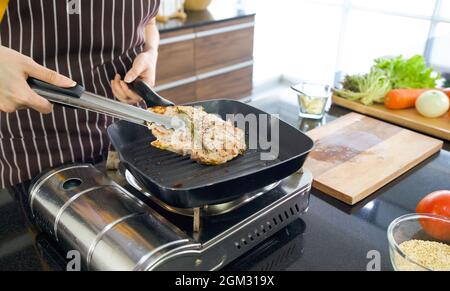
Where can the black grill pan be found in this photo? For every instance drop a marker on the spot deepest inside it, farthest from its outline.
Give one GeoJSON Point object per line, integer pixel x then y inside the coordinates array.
{"type": "Point", "coordinates": [183, 183]}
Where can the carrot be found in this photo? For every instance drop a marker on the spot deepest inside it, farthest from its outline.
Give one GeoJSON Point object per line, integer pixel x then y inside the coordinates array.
{"type": "Point", "coordinates": [402, 98]}
{"type": "Point", "coordinates": [447, 91]}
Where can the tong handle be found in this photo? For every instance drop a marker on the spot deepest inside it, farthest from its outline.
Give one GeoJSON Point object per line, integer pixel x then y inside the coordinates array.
{"type": "Point", "coordinates": [74, 92]}
{"type": "Point", "coordinates": [77, 97]}
{"type": "Point", "coordinates": [150, 97]}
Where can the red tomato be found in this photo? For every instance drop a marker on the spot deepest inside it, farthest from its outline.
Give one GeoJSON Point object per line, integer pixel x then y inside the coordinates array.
{"type": "Point", "coordinates": [437, 203]}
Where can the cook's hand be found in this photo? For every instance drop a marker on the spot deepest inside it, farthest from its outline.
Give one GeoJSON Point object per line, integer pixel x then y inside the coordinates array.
{"type": "Point", "coordinates": [144, 67]}
{"type": "Point", "coordinates": [15, 93]}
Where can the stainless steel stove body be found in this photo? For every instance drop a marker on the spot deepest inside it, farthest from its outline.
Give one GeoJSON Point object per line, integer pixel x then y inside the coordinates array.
{"type": "Point", "coordinates": [125, 228]}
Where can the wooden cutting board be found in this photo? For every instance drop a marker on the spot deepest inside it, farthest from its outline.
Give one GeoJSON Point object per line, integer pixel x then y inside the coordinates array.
{"type": "Point", "coordinates": [356, 155]}
{"type": "Point", "coordinates": [409, 118]}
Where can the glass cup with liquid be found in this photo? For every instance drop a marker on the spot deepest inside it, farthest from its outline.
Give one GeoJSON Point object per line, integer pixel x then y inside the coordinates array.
{"type": "Point", "coordinates": [313, 99]}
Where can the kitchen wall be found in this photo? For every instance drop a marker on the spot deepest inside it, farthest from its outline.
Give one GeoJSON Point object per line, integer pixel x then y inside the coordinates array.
{"type": "Point", "coordinates": [320, 40]}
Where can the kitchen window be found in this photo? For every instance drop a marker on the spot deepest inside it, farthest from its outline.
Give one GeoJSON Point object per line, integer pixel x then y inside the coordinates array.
{"type": "Point", "coordinates": [445, 9]}
{"type": "Point", "coordinates": [408, 7]}
{"type": "Point", "coordinates": [440, 55]}
{"type": "Point", "coordinates": [321, 41]}
{"type": "Point", "coordinates": [371, 35]}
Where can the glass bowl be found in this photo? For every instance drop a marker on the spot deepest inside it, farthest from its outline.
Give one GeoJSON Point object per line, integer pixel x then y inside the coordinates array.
{"type": "Point", "coordinates": [314, 100]}
{"type": "Point", "coordinates": [409, 227]}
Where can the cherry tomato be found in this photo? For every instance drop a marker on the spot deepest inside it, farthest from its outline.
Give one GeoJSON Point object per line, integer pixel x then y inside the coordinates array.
{"type": "Point", "coordinates": [437, 203]}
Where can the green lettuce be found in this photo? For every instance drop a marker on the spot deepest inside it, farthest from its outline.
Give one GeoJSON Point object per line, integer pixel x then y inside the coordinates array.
{"type": "Point", "coordinates": [367, 89]}
{"type": "Point", "coordinates": [408, 73]}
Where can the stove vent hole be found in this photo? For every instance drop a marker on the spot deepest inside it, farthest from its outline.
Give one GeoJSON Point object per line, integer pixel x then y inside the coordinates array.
{"type": "Point", "coordinates": [287, 215]}
{"type": "Point", "coordinates": [267, 227]}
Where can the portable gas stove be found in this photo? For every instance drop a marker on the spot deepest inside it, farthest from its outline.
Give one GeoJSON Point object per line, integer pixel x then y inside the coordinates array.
{"type": "Point", "coordinates": [127, 228]}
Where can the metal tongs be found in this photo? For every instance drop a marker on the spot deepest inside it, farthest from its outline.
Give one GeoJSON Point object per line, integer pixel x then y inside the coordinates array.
{"type": "Point", "coordinates": [78, 97]}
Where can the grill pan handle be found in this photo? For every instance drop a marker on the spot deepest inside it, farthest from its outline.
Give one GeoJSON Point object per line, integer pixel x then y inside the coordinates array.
{"type": "Point", "coordinates": [150, 97]}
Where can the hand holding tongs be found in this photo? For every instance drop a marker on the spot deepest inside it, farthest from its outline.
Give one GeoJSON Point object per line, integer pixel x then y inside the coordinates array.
{"type": "Point", "coordinates": [79, 98]}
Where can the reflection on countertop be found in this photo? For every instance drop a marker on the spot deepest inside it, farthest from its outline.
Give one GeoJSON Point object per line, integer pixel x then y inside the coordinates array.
{"type": "Point", "coordinates": [217, 12]}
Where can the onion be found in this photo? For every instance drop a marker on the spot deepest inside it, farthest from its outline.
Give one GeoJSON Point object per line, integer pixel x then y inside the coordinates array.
{"type": "Point", "coordinates": [433, 104]}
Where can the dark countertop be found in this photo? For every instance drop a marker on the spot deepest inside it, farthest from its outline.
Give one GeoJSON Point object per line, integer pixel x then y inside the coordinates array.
{"type": "Point", "coordinates": [216, 13]}
{"type": "Point", "coordinates": [330, 236]}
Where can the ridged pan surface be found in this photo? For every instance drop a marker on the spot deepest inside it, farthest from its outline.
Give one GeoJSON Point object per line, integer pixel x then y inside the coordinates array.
{"type": "Point", "coordinates": [183, 183]}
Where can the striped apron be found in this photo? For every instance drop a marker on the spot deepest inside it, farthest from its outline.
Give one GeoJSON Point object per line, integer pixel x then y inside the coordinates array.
{"type": "Point", "coordinates": [90, 47]}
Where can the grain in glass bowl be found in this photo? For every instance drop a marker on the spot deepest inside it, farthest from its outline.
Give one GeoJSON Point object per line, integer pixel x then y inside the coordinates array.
{"type": "Point", "coordinates": [412, 249]}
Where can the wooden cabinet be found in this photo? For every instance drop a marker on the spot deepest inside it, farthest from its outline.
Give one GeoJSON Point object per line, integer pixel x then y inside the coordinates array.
{"type": "Point", "coordinates": [217, 47]}
{"type": "Point", "coordinates": [212, 61]}
{"type": "Point", "coordinates": [176, 59]}
{"type": "Point", "coordinates": [232, 85]}
{"type": "Point", "coordinates": [181, 94]}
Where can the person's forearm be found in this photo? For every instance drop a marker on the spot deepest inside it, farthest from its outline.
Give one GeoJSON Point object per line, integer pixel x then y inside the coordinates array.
{"type": "Point", "coordinates": [152, 37]}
